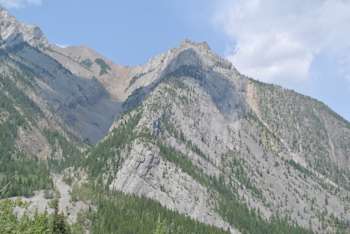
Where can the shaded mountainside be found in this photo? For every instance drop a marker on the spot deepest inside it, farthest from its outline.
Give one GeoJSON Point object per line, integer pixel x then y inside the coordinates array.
{"type": "Point", "coordinates": [182, 144]}
{"type": "Point", "coordinates": [46, 111]}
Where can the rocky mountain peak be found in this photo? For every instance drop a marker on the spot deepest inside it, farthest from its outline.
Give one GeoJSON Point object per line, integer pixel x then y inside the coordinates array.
{"type": "Point", "coordinates": [13, 32]}
{"type": "Point", "coordinates": [189, 54]}
{"type": "Point", "coordinates": [201, 51]}
{"type": "Point", "coordinates": [200, 45]}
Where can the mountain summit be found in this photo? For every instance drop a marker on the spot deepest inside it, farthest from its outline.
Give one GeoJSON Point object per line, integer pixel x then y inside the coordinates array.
{"type": "Point", "coordinates": [183, 143]}
{"type": "Point", "coordinates": [14, 32]}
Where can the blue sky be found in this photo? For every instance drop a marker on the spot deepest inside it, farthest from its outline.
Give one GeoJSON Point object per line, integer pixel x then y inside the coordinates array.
{"type": "Point", "coordinates": [300, 45]}
{"type": "Point", "coordinates": [129, 32]}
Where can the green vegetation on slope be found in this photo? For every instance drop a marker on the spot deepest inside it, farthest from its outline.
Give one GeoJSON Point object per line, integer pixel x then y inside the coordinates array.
{"type": "Point", "coordinates": [118, 213]}
{"type": "Point", "coordinates": [109, 149]}
{"type": "Point", "coordinates": [38, 224]}
{"type": "Point", "coordinates": [230, 207]}
{"type": "Point", "coordinates": [249, 221]}
{"type": "Point", "coordinates": [104, 67]}
{"type": "Point", "coordinates": [86, 63]}
{"type": "Point", "coordinates": [22, 177]}
{"type": "Point", "coordinates": [304, 125]}
{"type": "Point", "coordinates": [71, 156]}
{"type": "Point", "coordinates": [19, 174]}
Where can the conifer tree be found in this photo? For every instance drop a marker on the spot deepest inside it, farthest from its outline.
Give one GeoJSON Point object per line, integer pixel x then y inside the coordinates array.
{"type": "Point", "coordinates": [59, 223]}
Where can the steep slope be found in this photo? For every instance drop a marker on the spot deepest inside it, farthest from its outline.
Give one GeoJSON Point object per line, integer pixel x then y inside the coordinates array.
{"type": "Point", "coordinates": [74, 91]}
{"type": "Point", "coordinates": [208, 142]}
{"type": "Point", "coordinates": [30, 137]}
{"type": "Point", "coordinates": [43, 109]}
{"type": "Point", "coordinates": [312, 132]}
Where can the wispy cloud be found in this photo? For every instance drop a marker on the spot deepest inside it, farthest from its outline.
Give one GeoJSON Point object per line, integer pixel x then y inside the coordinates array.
{"type": "Point", "coordinates": [275, 40]}
{"type": "Point", "coordinates": [19, 3]}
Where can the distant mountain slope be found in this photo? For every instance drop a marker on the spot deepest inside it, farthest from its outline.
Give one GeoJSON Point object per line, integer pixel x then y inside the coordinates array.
{"type": "Point", "coordinates": [74, 90]}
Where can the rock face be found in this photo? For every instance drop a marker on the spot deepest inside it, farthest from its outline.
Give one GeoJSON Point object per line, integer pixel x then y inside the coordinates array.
{"type": "Point", "coordinates": [13, 32]}
{"type": "Point", "coordinates": [81, 104]}
{"type": "Point", "coordinates": [185, 129]}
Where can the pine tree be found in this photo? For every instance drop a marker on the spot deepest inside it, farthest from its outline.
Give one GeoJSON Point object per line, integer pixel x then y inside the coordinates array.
{"type": "Point", "coordinates": [59, 223]}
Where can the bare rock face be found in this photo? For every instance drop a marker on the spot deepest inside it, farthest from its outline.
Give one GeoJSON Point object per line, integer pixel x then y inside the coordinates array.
{"type": "Point", "coordinates": [81, 104]}
{"type": "Point", "coordinates": [144, 173]}
{"type": "Point", "coordinates": [13, 32]}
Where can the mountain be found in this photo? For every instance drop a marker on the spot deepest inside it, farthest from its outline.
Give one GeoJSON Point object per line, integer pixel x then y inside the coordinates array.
{"type": "Point", "coordinates": [71, 81]}
{"type": "Point", "coordinates": [185, 140]}
{"type": "Point", "coordinates": [200, 137]}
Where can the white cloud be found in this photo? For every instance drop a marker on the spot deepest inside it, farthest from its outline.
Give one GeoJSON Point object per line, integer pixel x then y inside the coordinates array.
{"type": "Point", "coordinates": [19, 3]}
{"type": "Point", "coordinates": [278, 40]}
